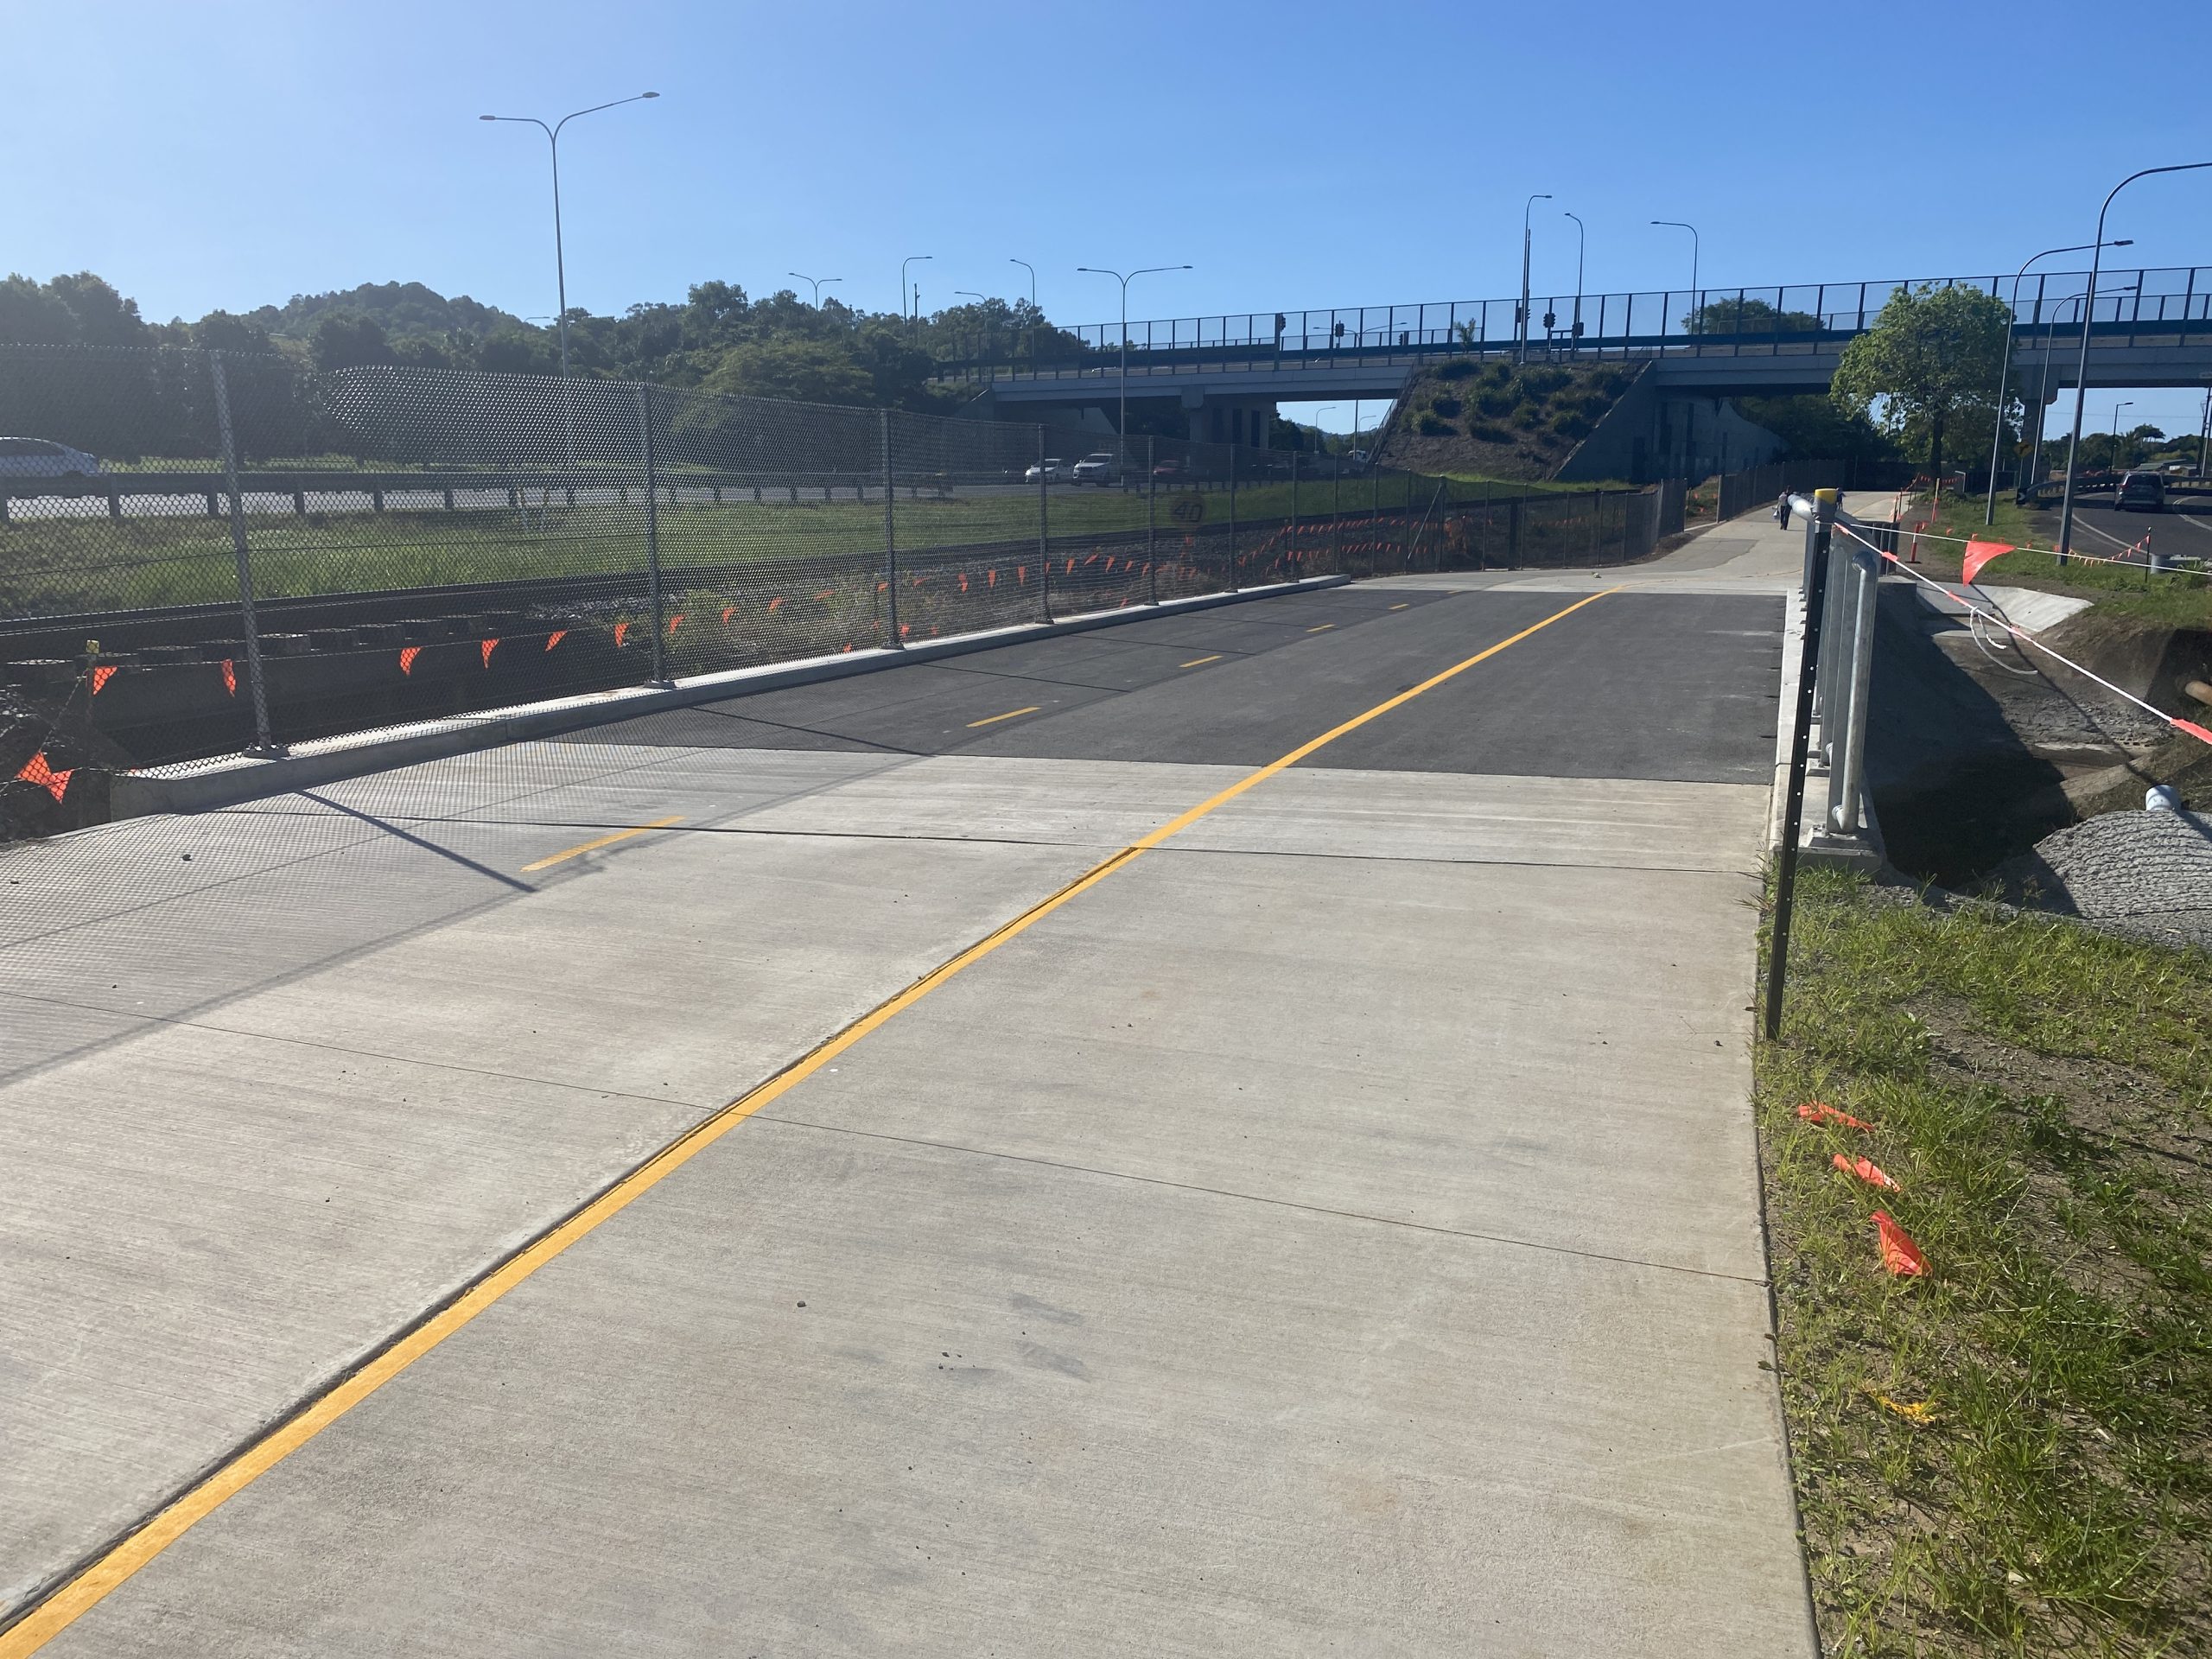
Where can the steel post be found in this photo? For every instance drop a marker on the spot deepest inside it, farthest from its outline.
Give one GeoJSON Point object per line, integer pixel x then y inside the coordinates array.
{"type": "Point", "coordinates": [1151, 517]}
{"type": "Point", "coordinates": [1850, 753]}
{"type": "Point", "coordinates": [1817, 536]}
{"type": "Point", "coordinates": [653, 527]}
{"type": "Point", "coordinates": [890, 542]}
{"type": "Point", "coordinates": [262, 745]}
{"type": "Point", "coordinates": [1043, 534]}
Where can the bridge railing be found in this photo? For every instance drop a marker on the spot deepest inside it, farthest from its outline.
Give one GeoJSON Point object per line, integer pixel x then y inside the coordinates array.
{"type": "Point", "coordinates": [2131, 306]}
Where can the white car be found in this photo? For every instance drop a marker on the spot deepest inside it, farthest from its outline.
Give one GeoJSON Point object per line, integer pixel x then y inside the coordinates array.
{"type": "Point", "coordinates": [1048, 472]}
{"type": "Point", "coordinates": [1101, 468]}
{"type": "Point", "coordinates": [36, 458]}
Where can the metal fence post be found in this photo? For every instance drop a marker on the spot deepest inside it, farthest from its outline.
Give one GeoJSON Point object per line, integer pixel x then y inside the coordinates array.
{"type": "Point", "coordinates": [1044, 533]}
{"type": "Point", "coordinates": [1407, 539]}
{"type": "Point", "coordinates": [1596, 526]}
{"type": "Point", "coordinates": [261, 744]}
{"type": "Point", "coordinates": [1513, 533]}
{"type": "Point", "coordinates": [1151, 500]}
{"type": "Point", "coordinates": [1232, 517]}
{"type": "Point", "coordinates": [1291, 553]}
{"type": "Point", "coordinates": [1336, 513]}
{"type": "Point", "coordinates": [1793, 815]}
{"type": "Point", "coordinates": [890, 542]}
{"type": "Point", "coordinates": [653, 527]}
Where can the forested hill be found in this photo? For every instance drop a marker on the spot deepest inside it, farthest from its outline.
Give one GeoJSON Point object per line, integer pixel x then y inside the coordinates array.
{"type": "Point", "coordinates": [405, 310]}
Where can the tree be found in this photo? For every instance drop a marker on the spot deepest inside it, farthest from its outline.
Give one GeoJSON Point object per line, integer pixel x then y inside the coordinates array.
{"type": "Point", "coordinates": [342, 340]}
{"type": "Point", "coordinates": [1746, 315]}
{"type": "Point", "coordinates": [1927, 370]}
{"type": "Point", "coordinates": [1815, 430]}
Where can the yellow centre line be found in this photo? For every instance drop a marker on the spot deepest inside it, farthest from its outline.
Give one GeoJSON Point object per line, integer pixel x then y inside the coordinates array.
{"type": "Point", "coordinates": [1401, 607]}
{"type": "Point", "coordinates": [108, 1570]}
{"type": "Point", "coordinates": [1009, 715]}
{"type": "Point", "coordinates": [604, 841]}
{"type": "Point", "coordinates": [1200, 662]}
{"type": "Point", "coordinates": [1324, 628]}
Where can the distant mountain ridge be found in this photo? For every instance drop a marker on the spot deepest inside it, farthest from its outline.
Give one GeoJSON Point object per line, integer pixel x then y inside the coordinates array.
{"type": "Point", "coordinates": [406, 310]}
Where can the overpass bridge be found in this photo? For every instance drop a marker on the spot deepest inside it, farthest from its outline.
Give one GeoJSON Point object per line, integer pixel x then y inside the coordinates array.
{"type": "Point", "coordinates": [2148, 327]}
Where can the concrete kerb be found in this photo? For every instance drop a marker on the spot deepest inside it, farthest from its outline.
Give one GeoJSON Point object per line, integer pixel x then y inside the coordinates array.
{"type": "Point", "coordinates": [241, 778]}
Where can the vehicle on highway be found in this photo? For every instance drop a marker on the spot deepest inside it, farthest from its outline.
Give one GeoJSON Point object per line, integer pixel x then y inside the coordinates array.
{"type": "Point", "coordinates": [38, 458]}
{"type": "Point", "coordinates": [2142, 491]}
{"type": "Point", "coordinates": [1171, 469]}
{"type": "Point", "coordinates": [1101, 468]}
{"type": "Point", "coordinates": [1047, 471]}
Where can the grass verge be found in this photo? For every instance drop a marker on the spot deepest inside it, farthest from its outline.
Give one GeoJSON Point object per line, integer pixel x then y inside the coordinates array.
{"type": "Point", "coordinates": [2171, 599]}
{"type": "Point", "coordinates": [2010, 1455]}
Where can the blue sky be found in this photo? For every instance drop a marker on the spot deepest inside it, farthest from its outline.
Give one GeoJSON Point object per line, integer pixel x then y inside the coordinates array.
{"type": "Point", "coordinates": [1296, 155]}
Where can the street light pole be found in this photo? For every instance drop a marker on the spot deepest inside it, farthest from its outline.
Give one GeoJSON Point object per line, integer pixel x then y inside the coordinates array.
{"type": "Point", "coordinates": [1989, 510]}
{"type": "Point", "coordinates": [2081, 366]}
{"type": "Point", "coordinates": [1033, 313]}
{"type": "Point", "coordinates": [1581, 245]}
{"type": "Point", "coordinates": [911, 312]}
{"type": "Point", "coordinates": [817, 282]}
{"type": "Point", "coordinates": [2116, 408]}
{"type": "Point", "coordinates": [1684, 225]}
{"type": "Point", "coordinates": [1149, 270]}
{"type": "Point", "coordinates": [553, 140]}
{"type": "Point", "coordinates": [1526, 237]}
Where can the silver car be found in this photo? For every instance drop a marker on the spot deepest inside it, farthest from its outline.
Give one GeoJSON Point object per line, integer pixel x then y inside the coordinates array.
{"type": "Point", "coordinates": [1049, 472]}
{"type": "Point", "coordinates": [1101, 468]}
{"type": "Point", "coordinates": [36, 458]}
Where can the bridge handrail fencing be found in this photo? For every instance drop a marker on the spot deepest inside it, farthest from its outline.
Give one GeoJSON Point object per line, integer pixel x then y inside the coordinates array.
{"type": "Point", "coordinates": [267, 555]}
{"type": "Point", "coordinates": [2131, 306]}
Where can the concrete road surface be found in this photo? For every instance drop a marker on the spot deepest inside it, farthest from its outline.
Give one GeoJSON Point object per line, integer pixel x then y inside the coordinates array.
{"type": "Point", "coordinates": [1329, 1225]}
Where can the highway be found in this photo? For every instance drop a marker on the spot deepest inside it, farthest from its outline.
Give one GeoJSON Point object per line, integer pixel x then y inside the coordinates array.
{"type": "Point", "coordinates": [2183, 529]}
{"type": "Point", "coordinates": [1223, 1134]}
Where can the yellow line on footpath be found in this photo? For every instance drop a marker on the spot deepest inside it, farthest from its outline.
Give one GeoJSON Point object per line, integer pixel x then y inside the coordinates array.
{"type": "Point", "coordinates": [1324, 628]}
{"type": "Point", "coordinates": [1200, 662]}
{"type": "Point", "coordinates": [604, 841]}
{"type": "Point", "coordinates": [107, 1572]}
{"type": "Point", "coordinates": [1009, 715]}
{"type": "Point", "coordinates": [1401, 607]}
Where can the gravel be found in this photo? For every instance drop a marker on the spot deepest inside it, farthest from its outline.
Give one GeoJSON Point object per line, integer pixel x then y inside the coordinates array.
{"type": "Point", "coordinates": [2147, 874]}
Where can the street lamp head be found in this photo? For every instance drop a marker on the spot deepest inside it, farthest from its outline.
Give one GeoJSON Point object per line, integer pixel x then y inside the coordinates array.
{"type": "Point", "coordinates": [2122, 241]}
{"type": "Point", "coordinates": [487, 118]}
{"type": "Point", "coordinates": [648, 94]}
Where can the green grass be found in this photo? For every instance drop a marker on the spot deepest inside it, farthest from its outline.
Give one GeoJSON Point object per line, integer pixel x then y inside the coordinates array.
{"type": "Point", "coordinates": [2174, 598]}
{"type": "Point", "coordinates": [2044, 1094]}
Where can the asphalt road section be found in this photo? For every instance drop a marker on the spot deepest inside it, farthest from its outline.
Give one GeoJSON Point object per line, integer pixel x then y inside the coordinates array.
{"type": "Point", "coordinates": [1150, 1197]}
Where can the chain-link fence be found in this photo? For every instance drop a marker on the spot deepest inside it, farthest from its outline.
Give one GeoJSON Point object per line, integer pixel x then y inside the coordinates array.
{"type": "Point", "coordinates": [204, 552]}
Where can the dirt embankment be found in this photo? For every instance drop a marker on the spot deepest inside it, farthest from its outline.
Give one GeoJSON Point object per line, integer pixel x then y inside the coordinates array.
{"type": "Point", "coordinates": [1494, 419]}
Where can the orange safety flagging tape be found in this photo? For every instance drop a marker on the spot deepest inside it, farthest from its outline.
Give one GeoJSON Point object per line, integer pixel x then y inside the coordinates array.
{"type": "Point", "coordinates": [1980, 553]}
{"type": "Point", "coordinates": [1819, 1111]}
{"type": "Point", "coordinates": [407, 656]}
{"type": "Point", "coordinates": [1070, 569]}
{"type": "Point", "coordinates": [621, 633]}
{"type": "Point", "coordinates": [555, 637]}
{"type": "Point", "coordinates": [879, 586]}
{"type": "Point", "coordinates": [1021, 575]}
{"type": "Point", "coordinates": [1899, 1254]}
{"type": "Point", "coordinates": [992, 580]}
{"type": "Point", "coordinates": [487, 647]}
{"type": "Point", "coordinates": [963, 581]}
{"type": "Point", "coordinates": [827, 593]}
{"type": "Point", "coordinates": [905, 628]}
{"type": "Point", "coordinates": [672, 621]}
{"type": "Point", "coordinates": [1866, 1170]}
{"type": "Point", "coordinates": [101, 675]}
{"type": "Point", "coordinates": [35, 771]}
{"type": "Point", "coordinates": [726, 612]}
{"type": "Point", "coordinates": [230, 677]}
{"type": "Point", "coordinates": [775, 602]}
{"type": "Point", "coordinates": [2194, 730]}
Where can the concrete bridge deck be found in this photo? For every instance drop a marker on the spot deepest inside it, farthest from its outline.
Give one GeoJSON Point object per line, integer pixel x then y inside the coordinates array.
{"type": "Point", "coordinates": [1331, 1226]}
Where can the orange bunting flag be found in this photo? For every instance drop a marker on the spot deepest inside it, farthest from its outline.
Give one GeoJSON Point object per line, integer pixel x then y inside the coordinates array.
{"type": "Point", "coordinates": [35, 771]}
{"type": "Point", "coordinates": [880, 586]}
{"type": "Point", "coordinates": [992, 580]}
{"type": "Point", "coordinates": [555, 637]}
{"type": "Point", "coordinates": [726, 610]}
{"type": "Point", "coordinates": [1816, 1111]}
{"type": "Point", "coordinates": [407, 656]}
{"type": "Point", "coordinates": [1899, 1254]}
{"type": "Point", "coordinates": [1865, 1169]}
{"type": "Point", "coordinates": [963, 581]}
{"type": "Point", "coordinates": [488, 646]}
{"type": "Point", "coordinates": [230, 677]}
{"type": "Point", "coordinates": [101, 677]}
{"type": "Point", "coordinates": [775, 602]}
{"type": "Point", "coordinates": [2194, 730]}
{"type": "Point", "coordinates": [1021, 575]}
{"type": "Point", "coordinates": [672, 621]}
{"type": "Point", "coordinates": [905, 628]}
{"type": "Point", "coordinates": [1070, 569]}
{"type": "Point", "coordinates": [827, 593]}
{"type": "Point", "coordinates": [1979, 554]}
{"type": "Point", "coordinates": [621, 633]}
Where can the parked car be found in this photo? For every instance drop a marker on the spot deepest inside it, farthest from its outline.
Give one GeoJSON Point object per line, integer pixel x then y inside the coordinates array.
{"type": "Point", "coordinates": [1049, 471]}
{"type": "Point", "coordinates": [2142, 492]}
{"type": "Point", "coordinates": [1101, 468]}
{"type": "Point", "coordinates": [1170, 469]}
{"type": "Point", "coordinates": [36, 458]}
